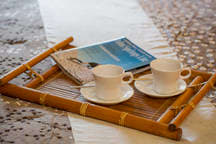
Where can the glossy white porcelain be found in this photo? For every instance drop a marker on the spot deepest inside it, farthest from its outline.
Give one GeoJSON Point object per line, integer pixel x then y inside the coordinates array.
{"type": "Point", "coordinates": [109, 80]}
{"type": "Point", "coordinates": [167, 74]}
{"type": "Point", "coordinates": [126, 92]}
{"type": "Point", "coordinates": [147, 87]}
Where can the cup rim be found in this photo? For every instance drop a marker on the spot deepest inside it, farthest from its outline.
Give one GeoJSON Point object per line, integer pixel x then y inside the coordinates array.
{"type": "Point", "coordinates": [176, 60]}
{"type": "Point", "coordinates": [103, 76]}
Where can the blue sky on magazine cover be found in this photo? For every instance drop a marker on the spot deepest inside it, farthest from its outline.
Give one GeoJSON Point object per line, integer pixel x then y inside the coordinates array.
{"type": "Point", "coordinates": [120, 52]}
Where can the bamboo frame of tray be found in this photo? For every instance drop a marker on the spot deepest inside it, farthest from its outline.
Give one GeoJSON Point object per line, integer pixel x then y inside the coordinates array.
{"type": "Point", "coordinates": [94, 111]}
{"type": "Point", "coordinates": [192, 103]}
{"type": "Point", "coordinates": [182, 99]}
{"type": "Point", "coordinates": [162, 127]}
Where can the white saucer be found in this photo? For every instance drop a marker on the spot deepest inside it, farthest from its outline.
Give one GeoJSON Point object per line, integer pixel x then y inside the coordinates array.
{"type": "Point", "coordinates": [146, 87]}
{"type": "Point", "coordinates": [89, 94]}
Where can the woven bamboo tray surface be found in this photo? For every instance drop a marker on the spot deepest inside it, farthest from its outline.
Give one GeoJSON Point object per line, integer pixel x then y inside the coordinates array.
{"type": "Point", "coordinates": [139, 105]}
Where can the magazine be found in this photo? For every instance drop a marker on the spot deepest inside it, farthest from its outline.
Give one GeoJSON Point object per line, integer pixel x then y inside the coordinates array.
{"type": "Point", "coordinates": [77, 62]}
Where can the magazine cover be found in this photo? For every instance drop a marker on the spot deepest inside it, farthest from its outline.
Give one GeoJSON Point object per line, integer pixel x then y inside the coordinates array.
{"type": "Point", "coordinates": [120, 52]}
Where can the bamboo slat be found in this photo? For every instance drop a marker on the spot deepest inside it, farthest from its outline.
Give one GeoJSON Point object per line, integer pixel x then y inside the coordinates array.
{"type": "Point", "coordinates": [45, 75]}
{"type": "Point", "coordinates": [34, 82]}
{"type": "Point", "coordinates": [139, 105]}
{"type": "Point", "coordinates": [94, 111]}
{"type": "Point", "coordinates": [204, 75]}
{"type": "Point", "coordinates": [191, 105]}
{"type": "Point", "coordinates": [182, 99]}
{"type": "Point", "coordinates": [12, 74]}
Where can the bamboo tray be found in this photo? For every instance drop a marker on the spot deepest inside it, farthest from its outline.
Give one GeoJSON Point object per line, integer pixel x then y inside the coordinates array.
{"type": "Point", "coordinates": [160, 117]}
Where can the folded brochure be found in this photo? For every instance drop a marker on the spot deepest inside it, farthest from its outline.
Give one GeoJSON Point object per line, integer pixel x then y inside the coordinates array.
{"type": "Point", "coordinates": [121, 52]}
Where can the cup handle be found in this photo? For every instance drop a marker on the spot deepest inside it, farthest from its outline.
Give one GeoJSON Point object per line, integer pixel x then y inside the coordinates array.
{"type": "Point", "coordinates": [186, 76]}
{"type": "Point", "coordinates": [127, 74]}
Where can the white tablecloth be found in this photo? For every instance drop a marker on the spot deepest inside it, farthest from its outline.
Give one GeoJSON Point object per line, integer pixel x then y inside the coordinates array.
{"type": "Point", "coordinates": [91, 21]}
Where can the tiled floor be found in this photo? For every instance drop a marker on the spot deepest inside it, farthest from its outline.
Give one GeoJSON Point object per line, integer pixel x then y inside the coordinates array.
{"type": "Point", "coordinates": [190, 28]}
{"type": "Point", "coordinates": [21, 37]}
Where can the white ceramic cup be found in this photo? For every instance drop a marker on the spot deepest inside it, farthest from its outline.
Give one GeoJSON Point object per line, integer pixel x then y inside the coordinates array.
{"type": "Point", "coordinates": [166, 75]}
{"type": "Point", "coordinates": [109, 79]}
